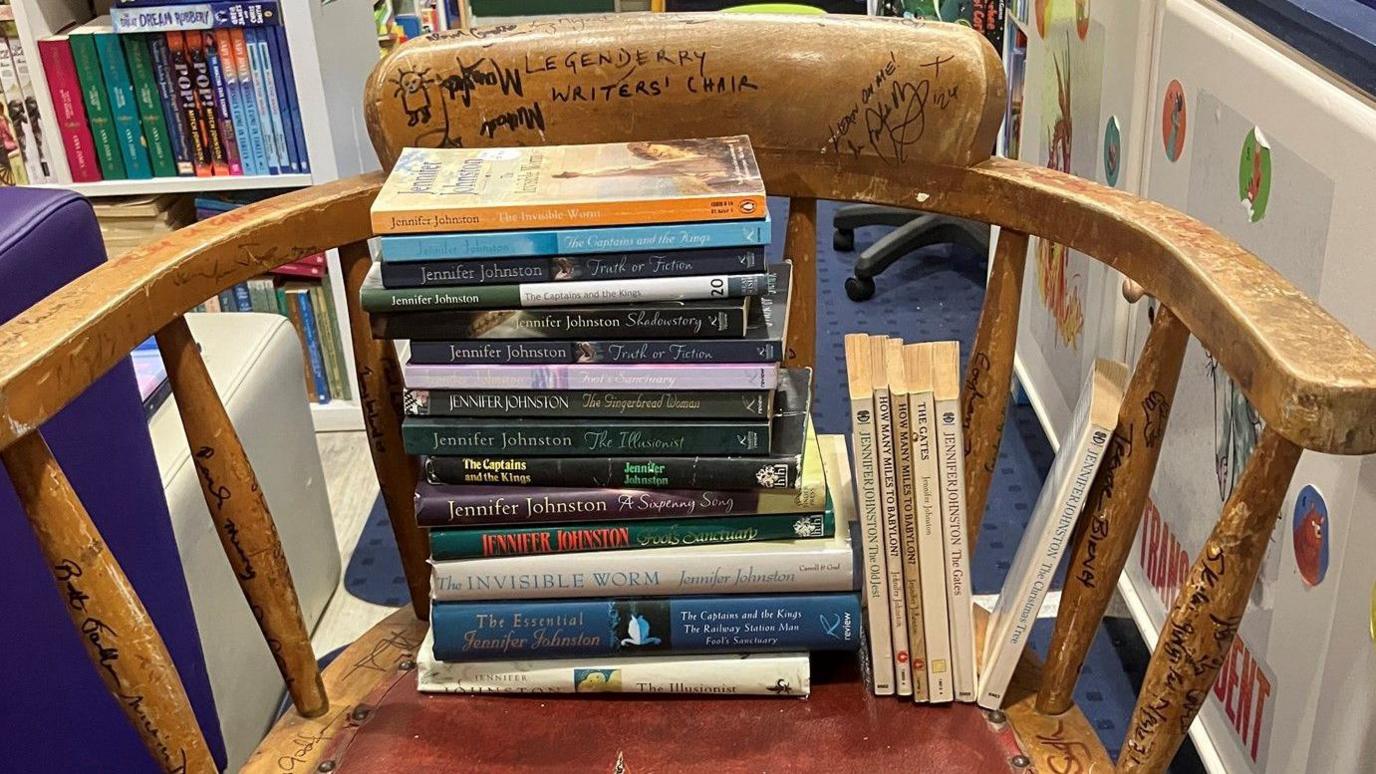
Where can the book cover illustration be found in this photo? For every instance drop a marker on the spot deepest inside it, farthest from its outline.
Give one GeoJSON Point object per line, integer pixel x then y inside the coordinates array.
{"type": "Point", "coordinates": [481, 189]}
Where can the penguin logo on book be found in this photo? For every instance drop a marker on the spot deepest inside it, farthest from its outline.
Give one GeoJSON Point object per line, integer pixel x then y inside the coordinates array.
{"type": "Point", "coordinates": [638, 632]}
{"type": "Point", "coordinates": [863, 416]}
{"type": "Point", "coordinates": [748, 207]}
{"type": "Point", "coordinates": [949, 417]}
{"type": "Point", "coordinates": [1099, 436]}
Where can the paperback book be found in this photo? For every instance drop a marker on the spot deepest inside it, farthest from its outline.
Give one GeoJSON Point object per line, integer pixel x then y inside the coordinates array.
{"type": "Point", "coordinates": [594, 376]}
{"type": "Point", "coordinates": [951, 461]}
{"type": "Point", "coordinates": [572, 268]}
{"type": "Point", "coordinates": [911, 586]}
{"type": "Point", "coordinates": [888, 499]}
{"type": "Point", "coordinates": [494, 189]}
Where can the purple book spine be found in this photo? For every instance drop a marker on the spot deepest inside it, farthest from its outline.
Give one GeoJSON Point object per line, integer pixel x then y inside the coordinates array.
{"type": "Point", "coordinates": [440, 506]}
{"type": "Point", "coordinates": [589, 376]}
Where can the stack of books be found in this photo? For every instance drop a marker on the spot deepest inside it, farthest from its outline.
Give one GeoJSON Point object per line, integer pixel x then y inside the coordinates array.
{"type": "Point", "coordinates": [127, 222]}
{"type": "Point", "coordinates": [162, 90]}
{"type": "Point", "coordinates": [908, 448]}
{"type": "Point", "coordinates": [621, 484]}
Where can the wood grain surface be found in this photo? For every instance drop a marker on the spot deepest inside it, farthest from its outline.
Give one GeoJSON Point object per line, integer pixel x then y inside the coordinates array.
{"type": "Point", "coordinates": [800, 247]}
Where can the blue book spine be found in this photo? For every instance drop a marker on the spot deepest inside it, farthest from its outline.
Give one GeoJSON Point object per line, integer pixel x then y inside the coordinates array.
{"type": "Point", "coordinates": [303, 159]}
{"type": "Point", "coordinates": [228, 303]}
{"type": "Point", "coordinates": [575, 241]}
{"type": "Point", "coordinates": [167, 91]}
{"type": "Point", "coordinates": [257, 41]}
{"type": "Point", "coordinates": [276, 164]}
{"type": "Point", "coordinates": [228, 73]}
{"type": "Point", "coordinates": [279, 88]}
{"type": "Point", "coordinates": [242, 299]}
{"type": "Point", "coordinates": [128, 125]}
{"type": "Point", "coordinates": [248, 101]}
{"type": "Point", "coordinates": [516, 631]}
{"type": "Point", "coordinates": [308, 324]}
{"type": "Point", "coordinates": [165, 17]}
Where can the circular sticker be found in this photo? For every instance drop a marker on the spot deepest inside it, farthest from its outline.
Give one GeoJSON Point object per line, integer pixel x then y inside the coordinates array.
{"type": "Point", "coordinates": [1113, 151]}
{"type": "Point", "coordinates": [1254, 175]}
{"type": "Point", "coordinates": [1173, 121]}
{"type": "Point", "coordinates": [1311, 535]}
{"type": "Point", "coordinates": [1082, 18]}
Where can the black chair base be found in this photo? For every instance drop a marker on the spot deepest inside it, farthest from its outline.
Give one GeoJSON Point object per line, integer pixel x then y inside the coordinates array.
{"type": "Point", "coordinates": [912, 231]}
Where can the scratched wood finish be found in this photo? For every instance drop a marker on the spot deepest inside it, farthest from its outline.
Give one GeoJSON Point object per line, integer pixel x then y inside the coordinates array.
{"type": "Point", "coordinates": [989, 373]}
{"type": "Point", "coordinates": [1104, 534]}
{"type": "Point", "coordinates": [379, 391]}
{"type": "Point", "coordinates": [800, 247]}
{"type": "Point", "coordinates": [242, 520]}
{"type": "Point", "coordinates": [1203, 620]}
{"type": "Point", "coordinates": [296, 743]}
{"type": "Point", "coordinates": [114, 627]}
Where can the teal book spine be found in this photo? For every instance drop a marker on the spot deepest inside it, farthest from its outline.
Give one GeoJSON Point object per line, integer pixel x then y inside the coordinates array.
{"type": "Point", "coordinates": [155, 129]}
{"type": "Point", "coordinates": [133, 147]}
{"type": "Point", "coordinates": [98, 114]}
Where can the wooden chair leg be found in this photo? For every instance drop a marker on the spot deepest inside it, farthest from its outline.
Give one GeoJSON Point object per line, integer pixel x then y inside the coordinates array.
{"type": "Point", "coordinates": [800, 247]}
{"type": "Point", "coordinates": [1205, 616]}
{"type": "Point", "coordinates": [242, 519]}
{"type": "Point", "coordinates": [1103, 537]}
{"type": "Point", "coordinates": [114, 626]}
{"type": "Point", "coordinates": [989, 373]}
{"type": "Point", "coordinates": [379, 392]}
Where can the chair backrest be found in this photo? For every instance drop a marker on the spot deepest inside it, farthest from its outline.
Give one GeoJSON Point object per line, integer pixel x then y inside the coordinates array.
{"type": "Point", "coordinates": [885, 111]}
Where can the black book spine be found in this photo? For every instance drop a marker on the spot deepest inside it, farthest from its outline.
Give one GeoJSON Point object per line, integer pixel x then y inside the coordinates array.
{"type": "Point", "coordinates": [506, 271]}
{"type": "Point", "coordinates": [744, 404]}
{"type": "Point", "coordinates": [625, 352]}
{"type": "Point", "coordinates": [728, 473]}
{"type": "Point", "coordinates": [560, 436]}
{"type": "Point", "coordinates": [607, 322]}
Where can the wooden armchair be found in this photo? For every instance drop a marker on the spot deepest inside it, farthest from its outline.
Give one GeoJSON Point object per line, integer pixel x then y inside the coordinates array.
{"type": "Point", "coordinates": [884, 111]}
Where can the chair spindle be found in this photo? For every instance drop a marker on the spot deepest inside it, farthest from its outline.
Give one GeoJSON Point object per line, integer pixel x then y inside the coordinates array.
{"type": "Point", "coordinates": [1103, 537]}
{"type": "Point", "coordinates": [379, 392]}
{"type": "Point", "coordinates": [989, 373]}
{"type": "Point", "coordinates": [241, 517]}
{"type": "Point", "coordinates": [113, 624]}
{"type": "Point", "coordinates": [800, 246]}
{"type": "Point", "coordinates": [1206, 613]}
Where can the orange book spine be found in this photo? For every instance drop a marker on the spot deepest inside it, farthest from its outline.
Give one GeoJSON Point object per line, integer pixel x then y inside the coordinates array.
{"type": "Point", "coordinates": [509, 217]}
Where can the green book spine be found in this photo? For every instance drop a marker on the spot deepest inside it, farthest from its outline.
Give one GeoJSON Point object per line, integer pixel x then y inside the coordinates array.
{"type": "Point", "coordinates": [507, 436]}
{"type": "Point", "coordinates": [97, 107]}
{"type": "Point", "coordinates": [334, 372]}
{"type": "Point", "coordinates": [150, 105]}
{"type": "Point", "coordinates": [341, 337]}
{"type": "Point", "coordinates": [128, 128]}
{"type": "Point", "coordinates": [480, 542]}
{"type": "Point", "coordinates": [373, 297]}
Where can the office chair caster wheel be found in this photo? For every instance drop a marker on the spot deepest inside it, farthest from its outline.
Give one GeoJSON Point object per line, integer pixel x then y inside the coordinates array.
{"type": "Point", "coordinates": [843, 240]}
{"type": "Point", "coordinates": [859, 288]}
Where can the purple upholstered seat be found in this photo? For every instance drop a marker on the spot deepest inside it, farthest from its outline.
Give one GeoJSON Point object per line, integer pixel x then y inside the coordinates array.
{"type": "Point", "coordinates": [58, 716]}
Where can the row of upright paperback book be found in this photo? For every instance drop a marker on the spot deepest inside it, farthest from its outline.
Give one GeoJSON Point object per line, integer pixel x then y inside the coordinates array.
{"type": "Point", "coordinates": [622, 486]}
{"type": "Point", "coordinates": [908, 448]}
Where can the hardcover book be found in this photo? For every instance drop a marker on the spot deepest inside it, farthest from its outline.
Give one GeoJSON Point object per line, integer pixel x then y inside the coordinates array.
{"type": "Point", "coordinates": [888, 499]}
{"type": "Point", "coordinates": [783, 566]}
{"type": "Point", "coordinates": [554, 437]}
{"type": "Point", "coordinates": [194, 16]}
{"type": "Point", "coordinates": [496, 630]}
{"type": "Point", "coordinates": [868, 498]}
{"type": "Point", "coordinates": [717, 318]}
{"type": "Point", "coordinates": [565, 268]}
{"type": "Point", "coordinates": [155, 132]}
{"type": "Point", "coordinates": [496, 189]}
{"type": "Point", "coordinates": [1048, 530]}
{"type": "Point", "coordinates": [905, 483]}
{"type": "Point", "coordinates": [593, 376]}
{"type": "Point", "coordinates": [576, 241]}
{"type": "Point", "coordinates": [120, 92]}
{"type": "Point", "coordinates": [951, 459]}
{"type": "Point", "coordinates": [931, 550]}
{"type": "Point", "coordinates": [746, 674]}
{"type": "Point", "coordinates": [65, 87]}
{"type": "Point", "coordinates": [102, 121]}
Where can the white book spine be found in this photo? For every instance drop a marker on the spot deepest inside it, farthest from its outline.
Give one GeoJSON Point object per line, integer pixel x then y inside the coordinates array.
{"type": "Point", "coordinates": [742, 568]}
{"type": "Point", "coordinates": [907, 512]}
{"type": "Point", "coordinates": [875, 579]}
{"type": "Point", "coordinates": [593, 376]}
{"type": "Point", "coordinates": [893, 543]}
{"type": "Point", "coordinates": [931, 551]}
{"type": "Point", "coordinates": [627, 291]}
{"type": "Point", "coordinates": [951, 454]}
{"type": "Point", "coordinates": [758, 674]}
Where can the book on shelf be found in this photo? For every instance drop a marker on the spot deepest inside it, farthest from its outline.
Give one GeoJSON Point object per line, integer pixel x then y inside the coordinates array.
{"type": "Point", "coordinates": [951, 461]}
{"type": "Point", "coordinates": [500, 630]}
{"type": "Point", "coordinates": [494, 189]}
{"type": "Point", "coordinates": [746, 674]}
{"type": "Point", "coordinates": [168, 17]}
{"type": "Point", "coordinates": [594, 376]}
{"type": "Point", "coordinates": [572, 268]}
{"type": "Point", "coordinates": [888, 499]}
{"type": "Point", "coordinates": [98, 110]}
{"type": "Point", "coordinates": [157, 136]}
{"type": "Point", "coordinates": [24, 113]}
{"type": "Point", "coordinates": [73, 126]}
{"type": "Point", "coordinates": [1048, 530]}
{"type": "Point", "coordinates": [869, 504]}
{"type": "Point", "coordinates": [133, 146]}
{"type": "Point", "coordinates": [905, 483]}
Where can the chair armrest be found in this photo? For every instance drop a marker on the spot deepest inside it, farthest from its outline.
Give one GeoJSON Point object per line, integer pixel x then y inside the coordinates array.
{"type": "Point", "coordinates": [51, 352]}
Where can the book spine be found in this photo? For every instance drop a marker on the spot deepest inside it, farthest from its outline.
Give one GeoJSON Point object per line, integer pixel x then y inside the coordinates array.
{"type": "Point", "coordinates": [951, 454]}
{"type": "Point", "coordinates": [398, 219]}
{"type": "Point", "coordinates": [123, 109]}
{"type": "Point", "coordinates": [875, 583]}
{"type": "Point", "coordinates": [276, 49]}
{"type": "Point", "coordinates": [494, 630]}
{"type": "Point", "coordinates": [340, 335]}
{"type": "Point", "coordinates": [65, 88]}
{"type": "Point", "coordinates": [308, 325]}
{"type": "Point", "coordinates": [603, 266]}
{"type": "Point", "coordinates": [220, 92]}
{"type": "Point", "coordinates": [553, 437]}
{"type": "Point", "coordinates": [931, 552]}
{"type": "Point", "coordinates": [334, 370]}
{"type": "Point", "coordinates": [724, 404]}
{"type": "Point", "coordinates": [759, 674]}
{"type": "Point", "coordinates": [609, 322]}
{"type": "Point", "coordinates": [624, 352]}
{"type": "Point", "coordinates": [911, 589]}
{"type": "Point", "coordinates": [477, 542]}
{"type": "Point", "coordinates": [212, 305]}
{"type": "Point", "coordinates": [593, 376]}
{"type": "Point", "coordinates": [298, 269]}
{"type": "Point", "coordinates": [303, 160]}
{"type": "Point", "coordinates": [98, 107]}
{"type": "Point", "coordinates": [206, 114]}
{"type": "Point", "coordinates": [242, 297]}
{"type": "Point", "coordinates": [377, 298]}
{"type": "Point", "coordinates": [276, 165]}
{"type": "Point", "coordinates": [191, 17]}
{"type": "Point", "coordinates": [165, 79]}
{"type": "Point", "coordinates": [248, 97]}
{"type": "Point", "coordinates": [661, 472]}
{"type": "Point", "coordinates": [226, 72]}
{"type": "Point", "coordinates": [893, 553]}
{"type": "Point", "coordinates": [35, 155]}
{"type": "Point", "coordinates": [580, 241]}
{"type": "Point", "coordinates": [257, 42]}
{"type": "Point", "coordinates": [145, 83]}
{"type": "Point", "coordinates": [191, 118]}
{"type": "Point", "coordinates": [11, 144]}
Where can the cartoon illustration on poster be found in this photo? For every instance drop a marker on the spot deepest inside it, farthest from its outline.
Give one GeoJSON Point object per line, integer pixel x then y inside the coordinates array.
{"type": "Point", "coordinates": [1061, 291]}
{"type": "Point", "coordinates": [1173, 121]}
{"type": "Point", "coordinates": [1113, 151]}
{"type": "Point", "coordinates": [1082, 18]}
{"type": "Point", "coordinates": [1236, 428]}
{"type": "Point", "coordinates": [1254, 175]}
{"type": "Point", "coordinates": [1311, 535]}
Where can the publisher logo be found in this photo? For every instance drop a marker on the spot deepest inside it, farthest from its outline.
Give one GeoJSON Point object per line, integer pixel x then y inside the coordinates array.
{"type": "Point", "coordinates": [949, 417]}
{"type": "Point", "coordinates": [863, 416]}
{"type": "Point", "coordinates": [748, 207]}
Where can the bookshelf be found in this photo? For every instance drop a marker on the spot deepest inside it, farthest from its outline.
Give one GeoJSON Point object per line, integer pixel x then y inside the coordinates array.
{"type": "Point", "coordinates": [332, 49]}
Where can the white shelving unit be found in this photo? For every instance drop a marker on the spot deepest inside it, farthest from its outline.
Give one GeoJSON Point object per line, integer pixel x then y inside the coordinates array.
{"type": "Point", "coordinates": [333, 49]}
